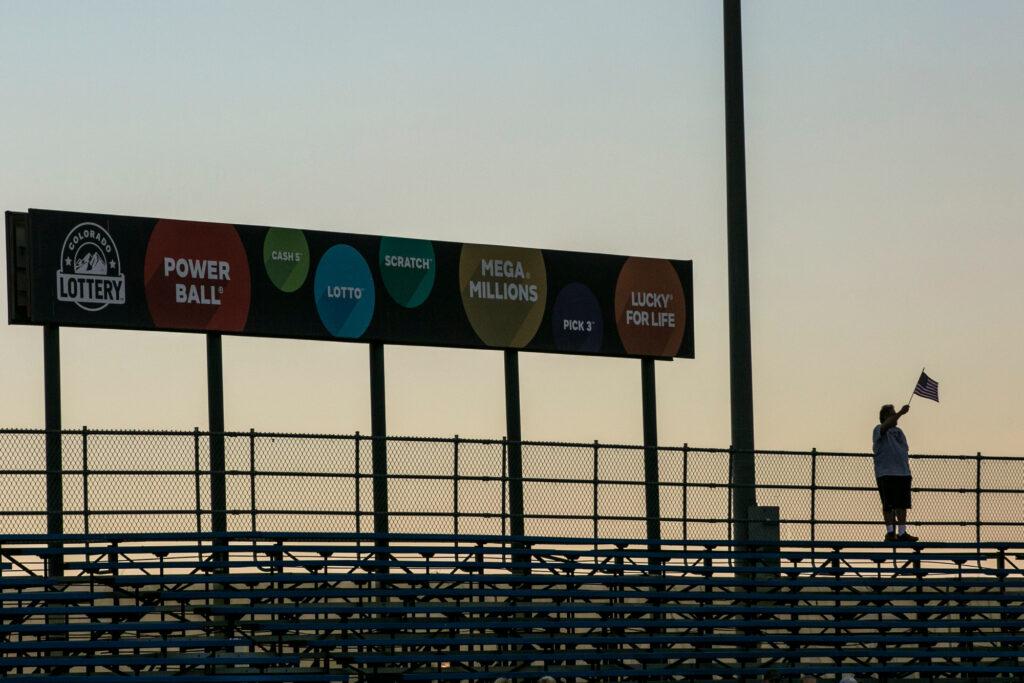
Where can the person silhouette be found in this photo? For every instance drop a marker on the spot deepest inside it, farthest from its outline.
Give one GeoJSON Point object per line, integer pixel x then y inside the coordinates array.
{"type": "Point", "coordinates": [892, 472]}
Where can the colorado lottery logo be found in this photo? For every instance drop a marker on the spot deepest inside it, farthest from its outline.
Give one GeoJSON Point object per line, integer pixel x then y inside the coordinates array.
{"type": "Point", "coordinates": [90, 274]}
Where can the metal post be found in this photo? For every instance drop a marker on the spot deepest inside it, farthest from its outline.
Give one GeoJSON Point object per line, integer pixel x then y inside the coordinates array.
{"type": "Point", "coordinates": [977, 498]}
{"type": "Point", "coordinates": [54, 456]}
{"type": "Point", "coordinates": [215, 409]}
{"type": "Point", "coordinates": [741, 384]}
{"type": "Point", "coordinates": [1003, 614]}
{"type": "Point", "coordinates": [85, 480]}
{"type": "Point", "coordinates": [686, 492]}
{"type": "Point", "coordinates": [730, 506]}
{"type": "Point", "coordinates": [814, 493]}
{"type": "Point", "coordinates": [252, 478]}
{"type": "Point", "coordinates": [378, 428]}
{"type": "Point", "coordinates": [359, 500]}
{"type": "Point", "coordinates": [455, 483]}
{"type": "Point", "coordinates": [199, 497]}
{"type": "Point", "coordinates": [651, 484]}
{"type": "Point", "coordinates": [515, 446]}
{"type": "Point", "coordinates": [504, 483]}
{"type": "Point", "coordinates": [596, 450]}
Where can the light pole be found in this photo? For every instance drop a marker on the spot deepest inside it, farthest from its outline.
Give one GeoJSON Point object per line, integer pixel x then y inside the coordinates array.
{"type": "Point", "coordinates": [741, 383]}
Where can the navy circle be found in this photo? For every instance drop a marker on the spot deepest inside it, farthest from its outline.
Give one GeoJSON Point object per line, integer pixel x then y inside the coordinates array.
{"type": "Point", "coordinates": [576, 320]}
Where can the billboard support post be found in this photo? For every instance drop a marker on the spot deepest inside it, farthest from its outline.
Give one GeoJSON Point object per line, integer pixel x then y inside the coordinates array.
{"type": "Point", "coordinates": [513, 427]}
{"type": "Point", "coordinates": [54, 461]}
{"type": "Point", "coordinates": [650, 415]}
{"type": "Point", "coordinates": [215, 405]}
{"type": "Point", "coordinates": [379, 432]}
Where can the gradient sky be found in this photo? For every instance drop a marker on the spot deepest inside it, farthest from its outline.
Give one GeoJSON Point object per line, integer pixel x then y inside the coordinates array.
{"type": "Point", "coordinates": [885, 168]}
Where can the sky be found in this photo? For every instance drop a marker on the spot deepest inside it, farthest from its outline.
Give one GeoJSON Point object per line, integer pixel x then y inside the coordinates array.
{"type": "Point", "coordinates": [884, 175]}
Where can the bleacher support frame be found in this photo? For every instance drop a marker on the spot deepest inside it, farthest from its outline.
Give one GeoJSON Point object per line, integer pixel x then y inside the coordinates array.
{"type": "Point", "coordinates": [348, 607]}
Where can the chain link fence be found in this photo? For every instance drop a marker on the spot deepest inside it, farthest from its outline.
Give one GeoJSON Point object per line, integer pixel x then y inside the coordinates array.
{"type": "Point", "coordinates": [121, 481]}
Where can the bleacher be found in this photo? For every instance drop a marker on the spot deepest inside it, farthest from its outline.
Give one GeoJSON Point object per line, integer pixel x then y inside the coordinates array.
{"type": "Point", "coordinates": [347, 607]}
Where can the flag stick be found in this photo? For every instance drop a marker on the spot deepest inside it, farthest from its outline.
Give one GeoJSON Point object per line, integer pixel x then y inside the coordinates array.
{"type": "Point", "coordinates": [915, 388]}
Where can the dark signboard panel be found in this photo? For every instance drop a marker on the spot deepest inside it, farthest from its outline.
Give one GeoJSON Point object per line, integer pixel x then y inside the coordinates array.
{"type": "Point", "coordinates": [160, 274]}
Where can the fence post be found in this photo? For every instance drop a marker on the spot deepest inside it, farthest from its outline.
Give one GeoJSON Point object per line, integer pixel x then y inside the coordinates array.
{"type": "Point", "coordinates": [252, 477]}
{"type": "Point", "coordinates": [199, 499]}
{"type": "Point", "coordinates": [977, 498]}
{"type": "Point", "coordinates": [455, 483]}
{"type": "Point", "coordinates": [85, 479]}
{"type": "Point", "coordinates": [359, 500]}
{"type": "Point", "coordinates": [686, 491]}
{"type": "Point", "coordinates": [596, 448]}
{"type": "Point", "coordinates": [504, 480]}
{"type": "Point", "coordinates": [814, 493]}
{"type": "Point", "coordinates": [729, 514]}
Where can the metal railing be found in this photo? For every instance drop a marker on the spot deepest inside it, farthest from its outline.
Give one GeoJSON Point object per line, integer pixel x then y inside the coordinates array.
{"type": "Point", "coordinates": [160, 481]}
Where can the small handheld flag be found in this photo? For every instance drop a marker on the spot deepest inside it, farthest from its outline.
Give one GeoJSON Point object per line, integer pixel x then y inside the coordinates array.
{"type": "Point", "coordinates": [927, 388]}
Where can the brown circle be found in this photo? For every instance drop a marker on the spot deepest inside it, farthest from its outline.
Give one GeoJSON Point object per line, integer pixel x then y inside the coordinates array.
{"type": "Point", "coordinates": [650, 307]}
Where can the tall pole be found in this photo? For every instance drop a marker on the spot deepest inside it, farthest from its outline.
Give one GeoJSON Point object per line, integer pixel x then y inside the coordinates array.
{"type": "Point", "coordinates": [54, 462]}
{"type": "Point", "coordinates": [513, 427]}
{"type": "Point", "coordinates": [650, 414]}
{"type": "Point", "coordinates": [215, 407]}
{"type": "Point", "coordinates": [741, 383]}
{"type": "Point", "coordinates": [379, 431]}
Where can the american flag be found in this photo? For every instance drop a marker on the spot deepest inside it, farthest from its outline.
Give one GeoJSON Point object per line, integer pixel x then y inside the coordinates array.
{"type": "Point", "coordinates": [927, 388]}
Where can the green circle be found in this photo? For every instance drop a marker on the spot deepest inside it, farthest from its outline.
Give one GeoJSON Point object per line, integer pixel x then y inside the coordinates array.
{"type": "Point", "coordinates": [286, 258]}
{"type": "Point", "coordinates": [408, 268]}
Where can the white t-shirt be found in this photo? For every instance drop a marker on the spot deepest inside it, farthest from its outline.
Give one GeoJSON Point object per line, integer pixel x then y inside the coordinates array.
{"type": "Point", "coordinates": [891, 452]}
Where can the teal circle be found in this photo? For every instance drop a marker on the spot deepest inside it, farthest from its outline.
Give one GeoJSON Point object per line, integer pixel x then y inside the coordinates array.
{"type": "Point", "coordinates": [286, 258]}
{"type": "Point", "coordinates": [408, 268]}
{"type": "Point", "coordinates": [344, 292]}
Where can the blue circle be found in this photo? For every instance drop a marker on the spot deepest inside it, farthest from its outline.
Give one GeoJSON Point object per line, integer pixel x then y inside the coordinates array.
{"type": "Point", "coordinates": [344, 292]}
{"type": "Point", "coordinates": [576, 320]}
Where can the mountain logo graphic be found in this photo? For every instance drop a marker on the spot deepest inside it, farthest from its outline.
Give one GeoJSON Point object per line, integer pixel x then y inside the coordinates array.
{"type": "Point", "coordinates": [92, 263]}
{"type": "Point", "coordinates": [90, 274]}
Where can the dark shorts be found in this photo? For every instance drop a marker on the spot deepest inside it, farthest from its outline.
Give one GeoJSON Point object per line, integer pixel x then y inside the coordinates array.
{"type": "Point", "coordinates": [895, 492]}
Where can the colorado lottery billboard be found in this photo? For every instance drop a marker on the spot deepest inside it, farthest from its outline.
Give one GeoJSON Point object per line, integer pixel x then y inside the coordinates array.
{"type": "Point", "coordinates": [93, 270]}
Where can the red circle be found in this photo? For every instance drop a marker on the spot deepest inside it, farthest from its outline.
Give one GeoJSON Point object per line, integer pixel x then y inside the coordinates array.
{"type": "Point", "coordinates": [197, 277]}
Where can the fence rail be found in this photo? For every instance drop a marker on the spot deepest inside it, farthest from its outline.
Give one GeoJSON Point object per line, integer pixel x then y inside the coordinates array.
{"type": "Point", "coordinates": [160, 481]}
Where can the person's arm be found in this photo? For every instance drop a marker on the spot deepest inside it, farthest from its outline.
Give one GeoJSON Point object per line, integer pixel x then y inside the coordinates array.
{"type": "Point", "coordinates": [891, 421]}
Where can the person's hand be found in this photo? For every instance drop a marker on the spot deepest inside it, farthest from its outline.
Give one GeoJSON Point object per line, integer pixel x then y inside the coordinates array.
{"type": "Point", "coordinates": [904, 410]}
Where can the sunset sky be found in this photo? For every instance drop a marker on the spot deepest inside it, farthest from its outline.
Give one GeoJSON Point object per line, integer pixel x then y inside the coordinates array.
{"type": "Point", "coordinates": [885, 178]}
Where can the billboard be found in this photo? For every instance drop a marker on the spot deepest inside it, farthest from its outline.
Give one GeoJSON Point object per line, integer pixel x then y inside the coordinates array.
{"type": "Point", "coordinates": [96, 270]}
